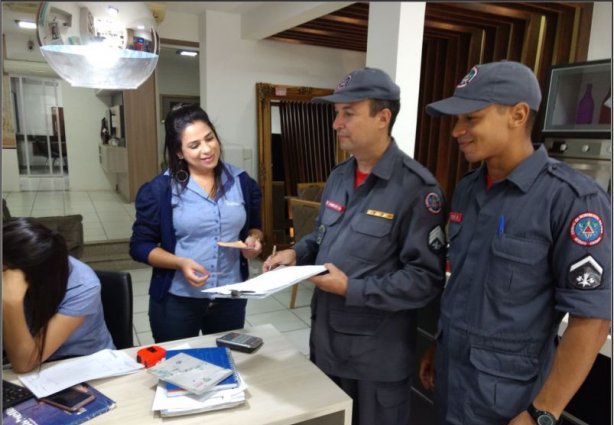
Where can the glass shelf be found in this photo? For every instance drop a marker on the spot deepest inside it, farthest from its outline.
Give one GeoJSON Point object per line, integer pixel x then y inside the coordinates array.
{"type": "Point", "coordinates": [577, 98]}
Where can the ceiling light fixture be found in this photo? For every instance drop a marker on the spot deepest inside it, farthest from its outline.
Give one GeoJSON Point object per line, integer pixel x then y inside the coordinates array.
{"type": "Point", "coordinates": [89, 47]}
{"type": "Point", "coordinates": [190, 53]}
{"type": "Point", "coordinates": [29, 25]}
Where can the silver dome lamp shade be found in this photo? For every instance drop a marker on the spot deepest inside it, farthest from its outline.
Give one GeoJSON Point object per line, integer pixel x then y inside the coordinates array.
{"type": "Point", "coordinates": [101, 45]}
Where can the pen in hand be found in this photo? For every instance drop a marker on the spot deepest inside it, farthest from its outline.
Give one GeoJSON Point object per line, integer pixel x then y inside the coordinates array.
{"type": "Point", "coordinates": [273, 254]}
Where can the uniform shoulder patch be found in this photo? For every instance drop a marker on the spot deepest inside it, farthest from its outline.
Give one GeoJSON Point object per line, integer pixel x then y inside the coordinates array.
{"type": "Point", "coordinates": [585, 273]}
{"type": "Point", "coordinates": [437, 239]}
{"type": "Point", "coordinates": [432, 201]}
{"type": "Point", "coordinates": [586, 229]}
{"type": "Point", "coordinates": [580, 183]}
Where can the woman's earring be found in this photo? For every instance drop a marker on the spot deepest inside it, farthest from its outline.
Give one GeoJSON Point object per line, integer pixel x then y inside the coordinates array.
{"type": "Point", "coordinates": [182, 175]}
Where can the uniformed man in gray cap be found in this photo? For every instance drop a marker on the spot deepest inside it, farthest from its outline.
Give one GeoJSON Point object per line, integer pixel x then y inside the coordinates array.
{"type": "Point", "coordinates": [530, 240]}
{"type": "Point", "coordinates": [379, 233]}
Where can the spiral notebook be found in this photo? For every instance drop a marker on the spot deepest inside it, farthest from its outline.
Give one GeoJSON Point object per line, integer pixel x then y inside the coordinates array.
{"type": "Point", "coordinates": [219, 356]}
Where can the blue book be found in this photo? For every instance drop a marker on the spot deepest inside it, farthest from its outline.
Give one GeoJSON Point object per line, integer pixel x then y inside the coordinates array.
{"type": "Point", "coordinates": [219, 356]}
{"type": "Point", "coordinates": [34, 411]}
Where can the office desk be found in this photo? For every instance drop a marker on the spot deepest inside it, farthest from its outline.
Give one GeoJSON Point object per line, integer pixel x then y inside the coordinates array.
{"type": "Point", "coordinates": [283, 388]}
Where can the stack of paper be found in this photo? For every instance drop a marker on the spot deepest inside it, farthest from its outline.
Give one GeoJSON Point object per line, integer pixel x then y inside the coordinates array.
{"type": "Point", "coordinates": [180, 397]}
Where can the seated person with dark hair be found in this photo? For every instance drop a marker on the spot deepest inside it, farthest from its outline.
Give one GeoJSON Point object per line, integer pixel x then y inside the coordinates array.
{"type": "Point", "coordinates": [51, 305]}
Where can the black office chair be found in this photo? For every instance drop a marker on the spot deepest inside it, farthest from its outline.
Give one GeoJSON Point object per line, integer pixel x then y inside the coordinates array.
{"type": "Point", "coordinates": [116, 294]}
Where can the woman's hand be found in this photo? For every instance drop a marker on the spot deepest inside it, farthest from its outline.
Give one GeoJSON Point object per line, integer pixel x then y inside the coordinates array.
{"type": "Point", "coordinates": [194, 273]}
{"type": "Point", "coordinates": [254, 247]}
{"type": "Point", "coordinates": [14, 286]}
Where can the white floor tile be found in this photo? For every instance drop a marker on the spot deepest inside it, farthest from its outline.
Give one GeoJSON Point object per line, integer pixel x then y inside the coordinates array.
{"type": "Point", "coordinates": [264, 305]}
{"type": "Point", "coordinates": [140, 303]}
{"type": "Point", "coordinates": [141, 322]}
{"type": "Point", "coordinates": [145, 338]}
{"type": "Point", "coordinates": [283, 320]}
{"type": "Point", "coordinates": [303, 313]}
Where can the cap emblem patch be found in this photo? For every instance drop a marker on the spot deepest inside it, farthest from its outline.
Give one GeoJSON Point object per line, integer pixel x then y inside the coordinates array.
{"type": "Point", "coordinates": [586, 229]}
{"type": "Point", "coordinates": [344, 82]}
{"type": "Point", "coordinates": [467, 78]}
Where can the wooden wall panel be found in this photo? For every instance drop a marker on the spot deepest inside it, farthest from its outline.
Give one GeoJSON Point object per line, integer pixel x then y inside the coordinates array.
{"type": "Point", "coordinates": [459, 35]}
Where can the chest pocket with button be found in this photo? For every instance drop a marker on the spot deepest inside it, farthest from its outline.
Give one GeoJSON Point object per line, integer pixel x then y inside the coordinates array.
{"type": "Point", "coordinates": [519, 269]}
{"type": "Point", "coordinates": [369, 239]}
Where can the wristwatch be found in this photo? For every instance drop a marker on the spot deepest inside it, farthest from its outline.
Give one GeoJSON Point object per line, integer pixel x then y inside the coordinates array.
{"type": "Point", "coordinates": [541, 417]}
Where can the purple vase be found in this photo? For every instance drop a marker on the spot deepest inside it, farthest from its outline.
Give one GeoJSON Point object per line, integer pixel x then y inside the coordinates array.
{"type": "Point", "coordinates": [584, 113]}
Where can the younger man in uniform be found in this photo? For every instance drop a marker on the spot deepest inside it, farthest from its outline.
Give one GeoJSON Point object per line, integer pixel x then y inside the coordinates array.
{"type": "Point", "coordinates": [530, 240]}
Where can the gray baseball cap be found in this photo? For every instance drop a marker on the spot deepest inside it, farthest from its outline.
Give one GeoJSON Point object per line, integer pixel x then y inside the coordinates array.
{"type": "Point", "coordinates": [503, 83]}
{"type": "Point", "coordinates": [365, 83]}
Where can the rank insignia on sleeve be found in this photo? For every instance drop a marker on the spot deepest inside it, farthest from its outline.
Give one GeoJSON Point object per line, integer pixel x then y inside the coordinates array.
{"type": "Point", "coordinates": [586, 229]}
{"type": "Point", "coordinates": [432, 201]}
{"type": "Point", "coordinates": [437, 239]}
{"type": "Point", "coordinates": [585, 273]}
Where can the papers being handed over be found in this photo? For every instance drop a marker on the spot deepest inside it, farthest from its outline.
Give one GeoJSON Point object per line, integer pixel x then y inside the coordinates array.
{"type": "Point", "coordinates": [267, 283]}
{"type": "Point", "coordinates": [192, 374]}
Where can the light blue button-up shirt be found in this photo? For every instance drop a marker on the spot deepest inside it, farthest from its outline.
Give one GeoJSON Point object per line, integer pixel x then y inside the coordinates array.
{"type": "Point", "coordinates": [200, 222]}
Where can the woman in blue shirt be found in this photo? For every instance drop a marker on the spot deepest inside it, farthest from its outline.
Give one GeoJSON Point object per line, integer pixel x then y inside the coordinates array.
{"type": "Point", "coordinates": [181, 215]}
{"type": "Point", "coordinates": [51, 305]}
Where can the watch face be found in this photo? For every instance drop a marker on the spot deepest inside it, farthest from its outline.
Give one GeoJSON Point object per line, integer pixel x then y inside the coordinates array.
{"type": "Point", "coordinates": [544, 420]}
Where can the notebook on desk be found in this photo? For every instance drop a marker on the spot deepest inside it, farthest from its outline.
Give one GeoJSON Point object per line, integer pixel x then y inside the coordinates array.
{"type": "Point", "coordinates": [219, 356]}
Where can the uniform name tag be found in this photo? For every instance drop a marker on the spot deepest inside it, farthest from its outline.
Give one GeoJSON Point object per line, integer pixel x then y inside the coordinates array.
{"type": "Point", "coordinates": [334, 206]}
{"type": "Point", "coordinates": [376, 213]}
{"type": "Point", "coordinates": [456, 217]}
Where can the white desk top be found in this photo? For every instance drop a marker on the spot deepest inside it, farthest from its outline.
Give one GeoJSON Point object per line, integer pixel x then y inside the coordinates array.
{"type": "Point", "coordinates": [284, 387]}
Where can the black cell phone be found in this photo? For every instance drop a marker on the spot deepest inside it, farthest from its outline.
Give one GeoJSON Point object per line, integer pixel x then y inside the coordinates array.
{"type": "Point", "coordinates": [70, 399]}
{"type": "Point", "coordinates": [240, 342]}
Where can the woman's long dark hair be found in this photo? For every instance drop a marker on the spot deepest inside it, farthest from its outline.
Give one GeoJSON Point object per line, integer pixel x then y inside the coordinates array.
{"type": "Point", "coordinates": [42, 255]}
{"type": "Point", "coordinates": [178, 118]}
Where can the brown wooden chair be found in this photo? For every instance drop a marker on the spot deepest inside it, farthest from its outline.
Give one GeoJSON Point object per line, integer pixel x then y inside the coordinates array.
{"type": "Point", "coordinates": [304, 214]}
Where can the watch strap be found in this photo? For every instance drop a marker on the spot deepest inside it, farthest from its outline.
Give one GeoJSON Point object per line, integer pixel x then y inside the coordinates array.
{"type": "Point", "coordinates": [536, 413]}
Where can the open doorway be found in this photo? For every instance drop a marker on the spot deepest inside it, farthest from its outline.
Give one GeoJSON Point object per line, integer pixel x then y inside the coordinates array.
{"type": "Point", "coordinates": [37, 115]}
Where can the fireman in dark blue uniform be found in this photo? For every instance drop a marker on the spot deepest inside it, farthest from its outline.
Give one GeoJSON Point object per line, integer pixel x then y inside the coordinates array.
{"type": "Point", "coordinates": [530, 240]}
{"type": "Point", "coordinates": [380, 235]}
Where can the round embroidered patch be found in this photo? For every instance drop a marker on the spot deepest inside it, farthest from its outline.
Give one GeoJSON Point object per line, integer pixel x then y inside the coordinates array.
{"type": "Point", "coordinates": [432, 202]}
{"type": "Point", "coordinates": [586, 229]}
{"type": "Point", "coordinates": [467, 78]}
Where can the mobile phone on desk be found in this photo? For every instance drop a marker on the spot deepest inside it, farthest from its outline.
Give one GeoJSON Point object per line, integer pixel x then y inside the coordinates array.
{"type": "Point", "coordinates": [240, 342]}
{"type": "Point", "coordinates": [70, 399]}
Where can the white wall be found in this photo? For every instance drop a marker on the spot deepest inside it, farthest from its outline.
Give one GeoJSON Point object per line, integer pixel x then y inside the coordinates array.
{"type": "Point", "coordinates": [83, 111]}
{"type": "Point", "coordinates": [600, 42]}
{"type": "Point", "coordinates": [233, 66]}
{"type": "Point", "coordinates": [175, 75]}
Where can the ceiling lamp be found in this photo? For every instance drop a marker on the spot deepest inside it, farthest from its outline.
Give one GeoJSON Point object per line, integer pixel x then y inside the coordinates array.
{"type": "Point", "coordinates": [100, 45]}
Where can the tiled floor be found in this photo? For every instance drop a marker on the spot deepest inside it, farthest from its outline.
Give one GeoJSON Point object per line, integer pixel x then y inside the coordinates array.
{"type": "Point", "coordinates": [106, 216]}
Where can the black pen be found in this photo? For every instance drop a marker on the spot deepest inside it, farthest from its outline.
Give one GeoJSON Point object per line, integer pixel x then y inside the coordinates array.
{"type": "Point", "coordinates": [235, 293]}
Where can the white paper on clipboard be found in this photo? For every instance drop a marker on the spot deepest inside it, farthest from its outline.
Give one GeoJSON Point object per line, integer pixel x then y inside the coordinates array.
{"type": "Point", "coordinates": [267, 283]}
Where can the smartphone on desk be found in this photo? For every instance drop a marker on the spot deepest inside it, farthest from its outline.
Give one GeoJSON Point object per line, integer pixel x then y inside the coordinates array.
{"type": "Point", "coordinates": [240, 342]}
{"type": "Point", "coordinates": [70, 399]}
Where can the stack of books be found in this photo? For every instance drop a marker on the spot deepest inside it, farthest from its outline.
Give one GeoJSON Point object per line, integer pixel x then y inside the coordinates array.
{"type": "Point", "coordinates": [194, 380]}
